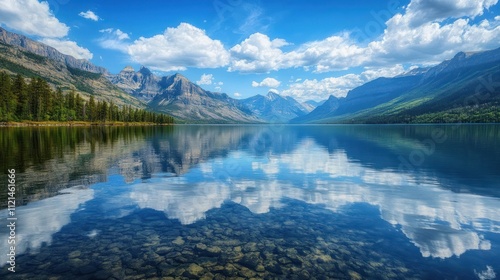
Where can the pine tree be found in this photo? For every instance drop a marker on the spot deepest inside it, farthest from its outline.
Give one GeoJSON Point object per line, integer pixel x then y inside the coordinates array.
{"type": "Point", "coordinates": [7, 100]}
{"type": "Point", "coordinates": [79, 108]}
{"type": "Point", "coordinates": [19, 89]}
{"type": "Point", "coordinates": [91, 109]}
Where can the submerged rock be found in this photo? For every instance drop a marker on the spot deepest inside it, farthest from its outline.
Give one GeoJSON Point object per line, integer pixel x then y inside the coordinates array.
{"type": "Point", "coordinates": [179, 241]}
{"type": "Point", "coordinates": [194, 271]}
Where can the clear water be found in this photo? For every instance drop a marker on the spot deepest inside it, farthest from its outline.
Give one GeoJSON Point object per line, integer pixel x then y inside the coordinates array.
{"type": "Point", "coordinates": [285, 202]}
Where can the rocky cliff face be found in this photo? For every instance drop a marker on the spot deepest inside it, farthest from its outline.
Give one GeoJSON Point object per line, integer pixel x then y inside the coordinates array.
{"type": "Point", "coordinates": [187, 101]}
{"type": "Point", "coordinates": [142, 84]}
{"type": "Point", "coordinates": [26, 44]}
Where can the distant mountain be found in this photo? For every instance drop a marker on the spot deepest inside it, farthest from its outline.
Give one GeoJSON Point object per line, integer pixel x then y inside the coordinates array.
{"type": "Point", "coordinates": [321, 112]}
{"type": "Point", "coordinates": [310, 105]}
{"type": "Point", "coordinates": [462, 89]}
{"type": "Point", "coordinates": [26, 44]}
{"type": "Point", "coordinates": [21, 55]}
{"type": "Point", "coordinates": [187, 101]}
{"type": "Point", "coordinates": [274, 107]}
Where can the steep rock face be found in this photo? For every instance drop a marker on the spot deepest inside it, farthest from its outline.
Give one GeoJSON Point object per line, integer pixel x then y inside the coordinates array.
{"type": "Point", "coordinates": [274, 107]}
{"type": "Point", "coordinates": [41, 49]}
{"type": "Point", "coordinates": [187, 101]}
{"type": "Point", "coordinates": [142, 84]}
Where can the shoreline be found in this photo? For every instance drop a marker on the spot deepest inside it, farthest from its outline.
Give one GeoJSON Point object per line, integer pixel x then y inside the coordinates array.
{"type": "Point", "coordinates": [75, 123]}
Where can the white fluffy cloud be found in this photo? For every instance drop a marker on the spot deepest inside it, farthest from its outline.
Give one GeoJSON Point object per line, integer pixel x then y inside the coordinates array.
{"type": "Point", "coordinates": [428, 31]}
{"type": "Point", "coordinates": [332, 53]}
{"type": "Point", "coordinates": [259, 54]}
{"type": "Point", "coordinates": [320, 89]}
{"type": "Point", "coordinates": [69, 48]}
{"type": "Point", "coordinates": [337, 86]}
{"type": "Point", "coordinates": [205, 79]}
{"type": "Point", "coordinates": [178, 48]}
{"type": "Point", "coordinates": [423, 11]}
{"type": "Point", "coordinates": [371, 73]}
{"type": "Point", "coordinates": [89, 15]}
{"type": "Point", "coordinates": [267, 82]}
{"type": "Point", "coordinates": [431, 42]}
{"type": "Point", "coordinates": [31, 17]}
{"type": "Point", "coordinates": [114, 39]}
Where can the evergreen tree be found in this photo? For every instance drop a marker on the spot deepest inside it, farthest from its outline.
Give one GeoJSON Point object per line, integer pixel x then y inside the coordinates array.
{"type": "Point", "coordinates": [59, 106]}
{"type": "Point", "coordinates": [79, 108]}
{"type": "Point", "coordinates": [91, 109]}
{"type": "Point", "coordinates": [7, 100]}
{"type": "Point", "coordinates": [19, 88]}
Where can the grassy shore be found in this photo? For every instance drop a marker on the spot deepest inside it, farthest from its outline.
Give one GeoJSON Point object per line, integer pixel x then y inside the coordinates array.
{"type": "Point", "coordinates": [74, 123]}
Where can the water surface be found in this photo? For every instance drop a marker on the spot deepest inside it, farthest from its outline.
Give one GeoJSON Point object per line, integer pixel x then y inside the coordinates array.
{"type": "Point", "coordinates": [289, 202]}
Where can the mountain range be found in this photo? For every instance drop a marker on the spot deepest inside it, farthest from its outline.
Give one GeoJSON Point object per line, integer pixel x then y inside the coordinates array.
{"type": "Point", "coordinates": [275, 108]}
{"type": "Point", "coordinates": [465, 88]}
{"type": "Point", "coordinates": [462, 89]}
{"type": "Point", "coordinates": [21, 55]}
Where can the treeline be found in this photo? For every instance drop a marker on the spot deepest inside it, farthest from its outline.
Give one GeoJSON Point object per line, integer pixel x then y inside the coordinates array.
{"type": "Point", "coordinates": [36, 101]}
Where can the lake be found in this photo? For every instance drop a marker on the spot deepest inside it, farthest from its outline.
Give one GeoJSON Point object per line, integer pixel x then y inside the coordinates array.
{"type": "Point", "coordinates": [253, 201]}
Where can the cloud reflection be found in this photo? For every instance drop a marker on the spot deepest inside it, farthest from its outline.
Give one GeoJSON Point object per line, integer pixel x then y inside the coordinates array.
{"type": "Point", "coordinates": [39, 220]}
{"type": "Point", "coordinates": [441, 223]}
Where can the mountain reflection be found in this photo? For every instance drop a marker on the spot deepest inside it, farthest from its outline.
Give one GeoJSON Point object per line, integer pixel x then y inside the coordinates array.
{"type": "Point", "coordinates": [445, 204]}
{"type": "Point", "coordinates": [440, 222]}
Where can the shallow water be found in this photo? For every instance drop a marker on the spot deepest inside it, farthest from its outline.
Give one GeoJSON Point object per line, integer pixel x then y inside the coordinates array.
{"type": "Point", "coordinates": [289, 202]}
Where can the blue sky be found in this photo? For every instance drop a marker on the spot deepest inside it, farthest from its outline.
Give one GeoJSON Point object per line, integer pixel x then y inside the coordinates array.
{"type": "Point", "coordinates": [306, 49]}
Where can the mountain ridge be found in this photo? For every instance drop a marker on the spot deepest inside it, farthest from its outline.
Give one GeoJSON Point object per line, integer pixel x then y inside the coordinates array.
{"type": "Point", "coordinates": [433, 94]}
{"type": "Point", "coordinates": [44, 50]}
{"type": "Point", "coordinates": [274, 107]}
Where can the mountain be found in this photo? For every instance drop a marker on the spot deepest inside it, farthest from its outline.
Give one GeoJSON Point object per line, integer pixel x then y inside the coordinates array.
{"type": "Point", "coordinates": [274, 107]}
{"type": "Point", "coordinates": [310, 105]}
{"type": "Point", "coordinates": [187, 101]}
{"type": "Point", "coordinates": [321, 112]}
{"type": "Point", "coordinates": [142, 84]}
{"type": "Point", "coordinates": [26, 44]}
{"type": "Point", "coordinates": [21, 55]}
{"type": "Point", "coordinates": [462, 89]}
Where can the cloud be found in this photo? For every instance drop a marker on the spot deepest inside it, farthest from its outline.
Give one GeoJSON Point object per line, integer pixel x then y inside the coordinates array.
{"type": "Point", "coordinates": [267, 82]}
{"type": "Point", "coordinates": [259, 54]}
{"type": "Point", "coordinates": [423, 11]}
{"type": "Point", "coordinates": [205, 79]}
{"type": "Point", "coordinates": [31, 17]}
{"type": "Point", "coordinates": [114, 39]}
{"type": "Point", "coordinates": [427, 32]}
{"type": "Point", "coordinates": [320, 89]}
{"type": "Point", "coordinates": [69, 48]}
{"type": "Point", "coordinates": [371, 73]}
{"type": "Point", "coordinates": [120, 35]}
{"type": "Point", "coordinates": [237, 94]}
{"type": "Point", "coordinates": [89, 15]}
{"type": "Point", "coordinates": [178, 48]}
{"type": "Point", "coordinates": [337, 52]}
{"type": "Point", "coordinates": [431, 42]}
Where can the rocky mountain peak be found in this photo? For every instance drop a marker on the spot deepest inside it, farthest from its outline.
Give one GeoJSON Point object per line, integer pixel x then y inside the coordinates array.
{"type": "Point", "coordinates": [145, 71]}
{"type": "Point", "coordinates": [272, 95]}
{"type": "Point", "coordinates": [128, 69]}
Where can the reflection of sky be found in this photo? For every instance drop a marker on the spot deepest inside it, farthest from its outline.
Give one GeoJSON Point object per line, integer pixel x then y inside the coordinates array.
{"type": "Point", "coordinates": [441, 223]}
{"type": "Point", "coordinates": [38, 221]}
